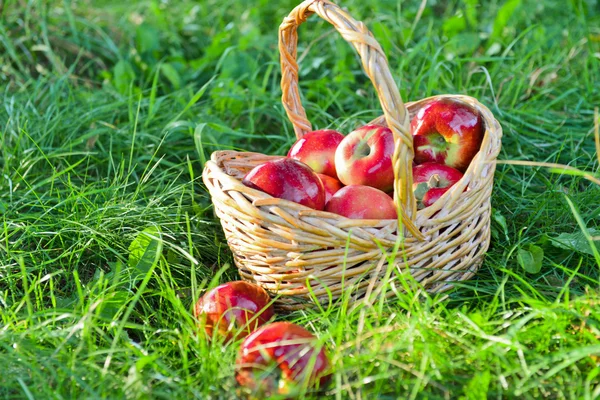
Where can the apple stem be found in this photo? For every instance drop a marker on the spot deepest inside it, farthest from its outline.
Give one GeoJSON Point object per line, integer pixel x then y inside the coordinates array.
{"type": "Point", "coordinates": [434, 181]}
{"type": "Point", "coordinates": [437, 144]}
{"type": "Point", "coordinates": [362, 149]}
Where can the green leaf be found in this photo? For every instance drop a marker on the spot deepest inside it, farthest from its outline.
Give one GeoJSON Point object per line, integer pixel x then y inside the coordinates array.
{"type": "Point", "coordinates": [66, 303]}
{"type": "Point", "coordinates": [499, 218]}
{"type": "Point", "coordinates": [197, 96]}
{"type": "Point", "coordinates": [112, 304]}
{"type": "Point", "coordinates": [152, 101]}
{"type": "Point", "coordinates": [145, 251]}
{"type": "Point", "coordinates": [462, 44]}
{"type": "Point", "coordinates": [123, 76]}
{"type": "Point", "coordinates": [478, 386]}
{"type": "Point", "coordinates": [576, 241]}
{"type": "Point", "coordinates": [116, 270]}
{"type": "Point", "coordinates": [147, 38]}
{"type": "Point", "coordinates": [502, 18]}
{"type": "Point", "coordinates": [531, 259]}
{"type": "Point", "coordinates": [146, 360]}
{"type": "Point", "coordinates": [420, 190]}
{"type": "Point", "coordinates": [453, 25]}
{"type": "Point", "coordinates": [171, 74]}
{"type": "Point", "coordinates": [584, 229]}
{"type": "Point", "coordinates": [471, 11]}
{"type": "Point", "coordinates": [573, 172]}
{"type": "Point", "coordinates": [384, 36]}
{"type": "Point", "coordinates": [198, 143]}
{"type": "Point", "coordinates": [580, 7]}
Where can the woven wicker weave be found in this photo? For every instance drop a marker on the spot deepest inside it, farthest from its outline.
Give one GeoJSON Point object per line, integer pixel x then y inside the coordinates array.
{"type": "Point", "coordinates": [282, 245]}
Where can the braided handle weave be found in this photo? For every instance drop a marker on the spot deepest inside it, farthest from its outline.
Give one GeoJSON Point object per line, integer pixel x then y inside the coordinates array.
{"type": "Point", "coordinates": [376, 67]}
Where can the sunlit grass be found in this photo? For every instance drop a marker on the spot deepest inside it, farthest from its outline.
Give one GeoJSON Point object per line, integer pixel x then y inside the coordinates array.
{"type": "Point", "coordinates": [109, 111]}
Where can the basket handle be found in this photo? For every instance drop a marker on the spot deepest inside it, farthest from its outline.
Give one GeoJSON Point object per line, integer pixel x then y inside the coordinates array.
{"type": "Point", "coordinates": [376, 67]}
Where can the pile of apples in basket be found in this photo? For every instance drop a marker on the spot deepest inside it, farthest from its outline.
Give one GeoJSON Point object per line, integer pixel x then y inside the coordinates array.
{"type": "Point", "coordinates": [351, 176]}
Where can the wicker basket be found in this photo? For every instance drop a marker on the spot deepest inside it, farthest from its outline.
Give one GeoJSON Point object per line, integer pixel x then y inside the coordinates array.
{"type": "Point", "coordinates": [282, 245]}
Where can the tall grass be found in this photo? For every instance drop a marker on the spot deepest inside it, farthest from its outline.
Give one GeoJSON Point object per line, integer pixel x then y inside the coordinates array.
{"type": "Point", "coordinates": [107, 234]}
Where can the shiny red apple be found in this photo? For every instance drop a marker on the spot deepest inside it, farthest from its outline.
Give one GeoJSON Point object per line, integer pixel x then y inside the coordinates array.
{"type": "Point", "coordinates": [431, 181]}
{"type": "Point", "coordinates": [331, 185]}
{"type": "Point", "coordinates": [288, 179]}
{"type": "Point", "coordinates": [362, 202]}
{"type": "Point", "coordinates": [277, 358]}
{"type": "Point", "coordinates": [364, 157]}
{"type": "Point", "coordinates": [234, 309]}
{"type": "Point", "coordinates": [317, 150]}
{"type": "Point", "coordinates": [448, 132]}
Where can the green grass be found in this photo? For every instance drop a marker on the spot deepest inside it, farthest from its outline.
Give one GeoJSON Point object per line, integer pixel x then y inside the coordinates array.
{"type": "Point", "coordinates": [108, 110]}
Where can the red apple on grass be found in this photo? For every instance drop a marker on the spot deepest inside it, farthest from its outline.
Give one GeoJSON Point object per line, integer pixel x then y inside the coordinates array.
{"type": "Point", "coordinates": [364, 157]}
{"type": "Point", "coordinates": [331, 185]}
{"type": "Point", "coordinates": [234, 309]}
{"type": "Point", "coordinates": [362, 202]}
{"type": "Point", "coordinates": [288, 179]}
{"type": "Point", "coordinates": [317, 150]}
{"type": "Point", "coordinates": [278, 357]}
{"type": "Point", "coordinates": [448, 132]}
{"type": "Point", "coordinates": [431, 181]}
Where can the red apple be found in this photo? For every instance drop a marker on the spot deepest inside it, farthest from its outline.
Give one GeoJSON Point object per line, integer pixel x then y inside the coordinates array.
{"type": "Point", "coordinates": [288, 179]}
{"type": "Point", "coordinates": [448, 132]}
{"type": "Point", "coordinates": [331, 185]}
{"type": "Point", "coordinates": [234, 309]}
{"type": "Point", "coordinates": [431, 181]}
{"type": "Point", "coordinates": [277, 357]}
{"type": "Point", "coordinates": [362, 202]}
{"type": "Point", "coordinates": [364, 157]}
{"type": "Point", "coordinates": [317, 150]}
